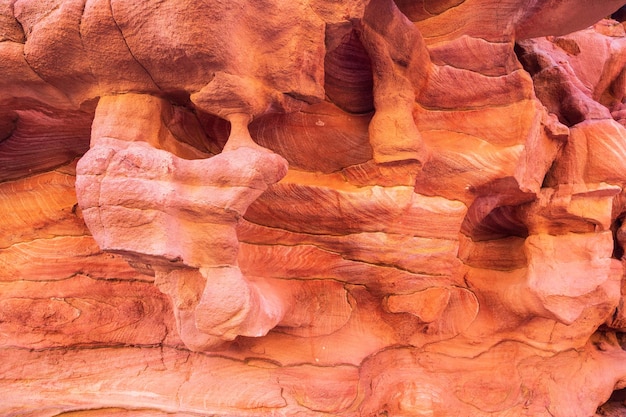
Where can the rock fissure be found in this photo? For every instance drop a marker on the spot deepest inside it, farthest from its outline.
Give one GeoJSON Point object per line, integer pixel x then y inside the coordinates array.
{"type": "Point", "coordinates": [349, 208]}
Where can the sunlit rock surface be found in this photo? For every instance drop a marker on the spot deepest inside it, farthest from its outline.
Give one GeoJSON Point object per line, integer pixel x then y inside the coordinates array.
{"type": "Point", "coordinates": [312, 208]}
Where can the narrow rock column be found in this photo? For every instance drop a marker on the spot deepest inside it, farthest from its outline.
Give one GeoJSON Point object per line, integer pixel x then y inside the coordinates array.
{"type": "Point", "coordinates": [400, 67]}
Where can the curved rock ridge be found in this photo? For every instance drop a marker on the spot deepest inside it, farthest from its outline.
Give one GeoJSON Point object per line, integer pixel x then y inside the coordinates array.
{"type": "Point", "coordinates": [350, 208]}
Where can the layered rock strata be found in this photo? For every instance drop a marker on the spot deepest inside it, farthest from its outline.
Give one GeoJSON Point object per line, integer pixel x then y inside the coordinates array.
{"type": "Point", "coordinates": [354, 208]}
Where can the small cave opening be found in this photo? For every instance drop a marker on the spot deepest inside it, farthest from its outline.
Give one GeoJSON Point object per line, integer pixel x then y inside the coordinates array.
{"type": "Point", "coordinates": [501, 222]}
{"type": "Point", "coordinates": [615, 405]}
{"type": "Point", "coordinates": [489, 218]}
{"type": "Point", "coordinates": [619, 14]}
{"type": "Point", "coordinates": [348, 78]}
{"type": "Point", "coordinates": [618, 248]}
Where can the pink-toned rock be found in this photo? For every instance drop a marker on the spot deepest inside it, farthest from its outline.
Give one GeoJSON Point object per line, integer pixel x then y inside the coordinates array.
{"type": "Point", "coordinates": [353, 208]}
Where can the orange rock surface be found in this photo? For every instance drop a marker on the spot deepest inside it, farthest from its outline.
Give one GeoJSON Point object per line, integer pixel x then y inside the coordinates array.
{"type": "Point", "coordinates": [354, 208]}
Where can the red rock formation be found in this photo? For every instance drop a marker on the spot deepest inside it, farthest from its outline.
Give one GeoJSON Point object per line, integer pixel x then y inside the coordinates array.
{"type": "Point", "coordinates": [312, 207]}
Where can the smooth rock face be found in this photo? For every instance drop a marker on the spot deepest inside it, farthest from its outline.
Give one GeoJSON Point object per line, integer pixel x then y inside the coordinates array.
{"type": "Point", "coordinates": [313, 207]}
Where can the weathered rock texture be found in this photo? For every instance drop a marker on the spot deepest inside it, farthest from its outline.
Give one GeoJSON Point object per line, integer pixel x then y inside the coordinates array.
{"type": "Point", "coordinates": [312, 208]}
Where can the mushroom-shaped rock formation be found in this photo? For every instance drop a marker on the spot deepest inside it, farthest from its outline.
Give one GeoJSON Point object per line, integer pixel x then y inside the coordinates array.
{"type": "Point", "coordinates": [312, 207]}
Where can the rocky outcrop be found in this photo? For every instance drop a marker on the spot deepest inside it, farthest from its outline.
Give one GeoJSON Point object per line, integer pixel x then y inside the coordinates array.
{"type": "Point", "coordinates": [354, 208]}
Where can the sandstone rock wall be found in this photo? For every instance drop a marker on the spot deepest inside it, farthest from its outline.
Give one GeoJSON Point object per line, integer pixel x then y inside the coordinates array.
{"type": "Point", "coordinates": [312, 208]}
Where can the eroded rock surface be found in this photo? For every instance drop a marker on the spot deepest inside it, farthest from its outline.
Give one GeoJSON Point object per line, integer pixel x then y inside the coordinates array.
{"type": "Point", "coordinates": [354, 208]}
